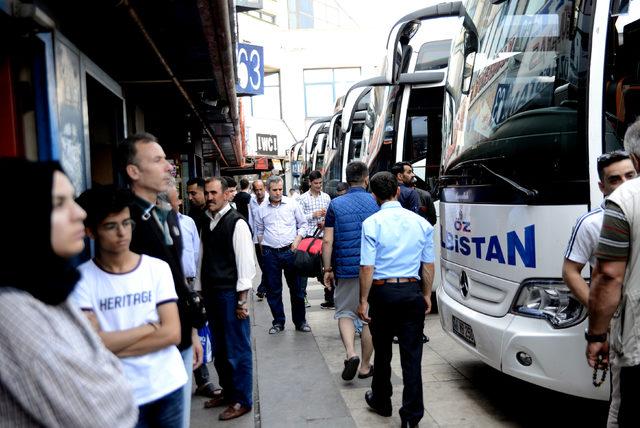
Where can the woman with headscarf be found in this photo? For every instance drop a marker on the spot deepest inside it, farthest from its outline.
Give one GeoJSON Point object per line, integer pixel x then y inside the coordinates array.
{"type": "Point", "coordinates": [54, 370]}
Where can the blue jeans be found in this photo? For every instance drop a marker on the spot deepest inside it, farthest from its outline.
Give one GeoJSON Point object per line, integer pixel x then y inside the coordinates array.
{"type": "Point", "coordinates": [275, 261]}
{"type": "Point", "coordinates": [232, 354]}
{"type": "Point", "coordinates": [187, 359]}
{"type": "Point", "coordinates": [165, 412]}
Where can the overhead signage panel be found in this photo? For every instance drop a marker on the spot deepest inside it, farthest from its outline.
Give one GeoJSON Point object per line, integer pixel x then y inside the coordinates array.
{"type": "Point", "coordinates": [250, 70]}
{"type": "Point", "coordinates": [267, 144]}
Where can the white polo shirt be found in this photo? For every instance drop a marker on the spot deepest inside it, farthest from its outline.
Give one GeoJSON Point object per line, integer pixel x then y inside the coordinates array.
{"type": "Point", "coordinates": [584, 237]}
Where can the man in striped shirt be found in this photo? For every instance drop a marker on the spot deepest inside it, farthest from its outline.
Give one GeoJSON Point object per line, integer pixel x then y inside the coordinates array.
{"type": "Point", "coordinates": [614, 168]}
{"type": "Point", "coordinates": [314, 204]}
{"type": "Point", "coordinates": [614, 299]}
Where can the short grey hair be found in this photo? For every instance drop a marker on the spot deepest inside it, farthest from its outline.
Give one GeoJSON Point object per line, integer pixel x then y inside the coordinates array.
{"type": "Point", "coordinates": [632, 138]}
{"type": "Point", "coordinates": [273, 179]}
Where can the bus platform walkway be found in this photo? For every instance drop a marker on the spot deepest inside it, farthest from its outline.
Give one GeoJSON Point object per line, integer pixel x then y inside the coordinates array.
{"type": "Point", "coordinates": [297, 383]}
{"type": "Point", "coordinates": [293, 386]}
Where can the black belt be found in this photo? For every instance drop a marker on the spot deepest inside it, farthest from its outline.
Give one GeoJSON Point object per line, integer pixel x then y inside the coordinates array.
{"type": "Point", "coordinates": [281, 249]}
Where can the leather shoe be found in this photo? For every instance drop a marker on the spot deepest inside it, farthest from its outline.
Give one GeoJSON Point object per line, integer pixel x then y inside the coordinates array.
{"type": "Point", "coordinates": [305, 328]}
{"type": "Point", "coordinates": [381, 410]}
{"type": "Point", "coordinates": [216, 401]}
{"type": "Point", "coordinates": [407, 424]}
{"type": "Point", "coordinates": [233, 411]}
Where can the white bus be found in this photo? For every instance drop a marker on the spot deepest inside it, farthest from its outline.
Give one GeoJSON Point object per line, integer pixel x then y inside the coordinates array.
{"type": "Point", "coordinates": [403, 116]}
{"type": "Point", "coordinates": [536, 91]}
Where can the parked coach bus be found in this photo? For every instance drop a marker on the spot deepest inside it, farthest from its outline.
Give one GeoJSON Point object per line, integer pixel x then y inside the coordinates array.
{"type": "Point", "coordinates": [536, 91]}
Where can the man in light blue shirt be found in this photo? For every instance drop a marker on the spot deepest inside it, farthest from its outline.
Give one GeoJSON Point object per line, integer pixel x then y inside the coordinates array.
{"type": "Point", "coordinates": [280, 225]}
{"type": "Point", "coordinates": [257, 200]}
{"type": "Point", "coordinates": [396, 246]}
{"type": "Point", "coordinates": [190, 238]}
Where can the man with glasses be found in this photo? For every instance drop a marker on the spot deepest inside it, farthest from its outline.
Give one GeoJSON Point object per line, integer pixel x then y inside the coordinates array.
{"type": "Point", "coordinates": [614, 168]}
{"type": "Point", "coordinates": [131, 301]}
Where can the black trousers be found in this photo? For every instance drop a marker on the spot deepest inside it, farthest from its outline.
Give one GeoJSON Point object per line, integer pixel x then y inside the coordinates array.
{"type": "Point", "coordinates": [201, 375]}
{"type": "Point", "coordinates": [262, 288]}
{"type": "Point", "coordinates": [398, 310]}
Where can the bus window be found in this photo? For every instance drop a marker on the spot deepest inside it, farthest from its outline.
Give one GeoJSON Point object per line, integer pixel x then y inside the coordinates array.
{"type": "Point", "coordinates": [382, 150]}
{"type": "Point", "coordinates": [433, 55]}
{"type": "Point", "coordinates": [622, 90]}
{"type": "Point", "coordinates": [355, 142]}
{"type": "Point", "coordinates": [423, 133]}
{"type": "Point", "coordinates": [512, 120]}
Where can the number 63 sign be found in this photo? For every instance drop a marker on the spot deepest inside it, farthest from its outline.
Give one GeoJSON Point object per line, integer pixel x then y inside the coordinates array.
{"type": "Point", "coordinates": [250, 70]}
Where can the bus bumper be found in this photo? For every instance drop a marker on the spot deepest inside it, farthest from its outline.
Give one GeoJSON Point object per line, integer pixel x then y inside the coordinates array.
{"type": "Point", "coordinates": [557, 355]}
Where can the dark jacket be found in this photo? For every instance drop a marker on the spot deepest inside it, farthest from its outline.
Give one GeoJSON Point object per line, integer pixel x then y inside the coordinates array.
{"type": "Point", "coordinates": [409, 198]}
{"type": "Point", "coordinates": [242, 200]}
{"type": "Point", "coordinates": [199, 217]}
{"type": "Point", "coordinates": [346, 214]}
{"type": "Point", "coordinates": [148, 239]}
{"type": "Point", "coordinates": [427, 208]}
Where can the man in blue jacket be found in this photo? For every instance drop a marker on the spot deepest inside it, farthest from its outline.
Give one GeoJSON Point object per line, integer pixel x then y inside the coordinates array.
{"type": "Point", "coordinates": [341, 251]}
{"type": "Point", "coordinates": [409, 197]}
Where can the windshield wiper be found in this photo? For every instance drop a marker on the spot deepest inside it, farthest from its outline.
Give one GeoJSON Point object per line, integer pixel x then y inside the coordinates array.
{"type": "Point", "coordinates": [530, 193]}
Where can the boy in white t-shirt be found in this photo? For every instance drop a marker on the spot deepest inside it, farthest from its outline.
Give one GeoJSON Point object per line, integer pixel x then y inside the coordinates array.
{"type": "Point", "coordinates": [131, 300]}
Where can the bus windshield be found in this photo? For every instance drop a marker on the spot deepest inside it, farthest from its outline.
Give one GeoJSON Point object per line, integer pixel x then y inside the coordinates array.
{"type": "Point", "coordinates": [523, 115]}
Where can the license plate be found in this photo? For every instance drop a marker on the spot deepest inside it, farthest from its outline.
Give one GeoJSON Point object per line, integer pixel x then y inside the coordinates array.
{"type": "Point", "coordinates": [463, 330]}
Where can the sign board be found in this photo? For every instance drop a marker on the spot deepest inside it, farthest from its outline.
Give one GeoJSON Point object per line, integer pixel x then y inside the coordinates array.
{"type": "Point", "coordinates": [261, 164]}
{"type": "Point", "coordinates": [250, 70]}
{"type": "Point", "coordinates": [267, 144]}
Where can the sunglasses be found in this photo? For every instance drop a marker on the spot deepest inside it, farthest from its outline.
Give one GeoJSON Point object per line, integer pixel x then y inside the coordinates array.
{"type": "Point", "coordinates": [616, 154]}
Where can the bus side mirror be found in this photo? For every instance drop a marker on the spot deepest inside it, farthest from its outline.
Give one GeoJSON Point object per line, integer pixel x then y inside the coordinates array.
{"type": "Point", "coordinates": [467, 72]}
{"type": "Point", "coordinates": [470, 49]}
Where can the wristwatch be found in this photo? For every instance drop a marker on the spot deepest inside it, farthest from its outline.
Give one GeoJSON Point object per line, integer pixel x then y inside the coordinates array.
{"type": "Point", "coordinates": [591, 338]}
{"type": "Point", "coordinates": [327, 269]}
{"type": "Point", "coordinates": [241, 303]}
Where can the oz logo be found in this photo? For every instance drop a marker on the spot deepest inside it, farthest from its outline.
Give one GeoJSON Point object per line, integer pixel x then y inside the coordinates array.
{"type": "Point", "coordinates": [250, 70]}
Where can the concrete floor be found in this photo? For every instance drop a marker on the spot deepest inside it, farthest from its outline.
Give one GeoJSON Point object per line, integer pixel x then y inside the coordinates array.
{"type": "Point", "coordinates": [298, 384]}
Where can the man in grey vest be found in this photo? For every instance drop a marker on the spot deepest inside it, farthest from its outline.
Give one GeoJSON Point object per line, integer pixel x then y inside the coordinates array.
{"type": "Point", "coordinates": [614, 297]}
{"type": "Point", "coordinates": [226, 272]}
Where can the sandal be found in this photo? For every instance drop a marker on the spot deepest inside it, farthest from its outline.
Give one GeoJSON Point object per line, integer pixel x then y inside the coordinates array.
{"type": "Point", "coordinates": [276, 329]}
{"type": "Point", "coordinates": [350, 368]}
{"type": "Point", "coordinates": [368, 374]}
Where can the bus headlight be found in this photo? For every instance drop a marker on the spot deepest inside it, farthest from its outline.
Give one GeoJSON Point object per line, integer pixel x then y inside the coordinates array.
{"type": "Point", "coordinates": [551, 300]}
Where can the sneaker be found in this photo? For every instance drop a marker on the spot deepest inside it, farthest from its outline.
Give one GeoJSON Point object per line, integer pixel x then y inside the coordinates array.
{"type": "Point", "coordinates": [306, 302]}
{"type": "Point", "coordinates": [259, 297]}
{"type": "Point", "coordinates": [327, 305]}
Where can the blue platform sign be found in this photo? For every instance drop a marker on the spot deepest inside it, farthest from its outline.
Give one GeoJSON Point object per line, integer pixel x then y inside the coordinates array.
{"type": "Point", "coordinates": [250, 70]}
